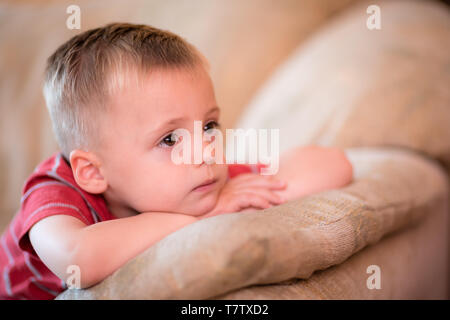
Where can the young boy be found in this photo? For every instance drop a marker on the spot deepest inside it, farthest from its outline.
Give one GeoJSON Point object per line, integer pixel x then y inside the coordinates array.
{"type": "Point", "coordinates": [115, 96]}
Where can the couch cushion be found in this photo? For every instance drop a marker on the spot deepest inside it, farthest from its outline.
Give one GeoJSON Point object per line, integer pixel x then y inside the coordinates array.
{"type": "Point", "coordinates": [349, 86]}
{"type": "Point", "coordinates": [412, 265]}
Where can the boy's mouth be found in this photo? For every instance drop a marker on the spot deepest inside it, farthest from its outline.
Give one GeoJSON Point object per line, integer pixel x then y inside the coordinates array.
{"type": "Point", "coordinates": [206, 185]}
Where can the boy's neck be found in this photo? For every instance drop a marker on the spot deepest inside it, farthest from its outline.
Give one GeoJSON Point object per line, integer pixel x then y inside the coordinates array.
{"type": "Point", "coordinates": [117, 209]}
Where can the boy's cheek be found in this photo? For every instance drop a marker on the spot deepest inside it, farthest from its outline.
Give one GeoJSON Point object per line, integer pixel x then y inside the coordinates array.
{"type": "Point", "coordinates": [223, 171]}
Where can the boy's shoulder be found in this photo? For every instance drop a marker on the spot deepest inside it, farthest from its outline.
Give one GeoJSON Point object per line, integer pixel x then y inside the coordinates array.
{"type": "Point", "coordinates": [52, 189]}
{"type": "Point", "coordinates": [54, 168]}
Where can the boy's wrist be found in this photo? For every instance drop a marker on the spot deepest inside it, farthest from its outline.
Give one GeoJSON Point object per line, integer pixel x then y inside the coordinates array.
{"type": "Point", "coordinates": [212, 213]}
{"type": "Point", "coordinates": [181, 216]}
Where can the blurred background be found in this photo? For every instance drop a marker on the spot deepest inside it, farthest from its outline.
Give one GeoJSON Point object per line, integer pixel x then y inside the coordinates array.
{"type": "Point", "coordinates": [244, 41]}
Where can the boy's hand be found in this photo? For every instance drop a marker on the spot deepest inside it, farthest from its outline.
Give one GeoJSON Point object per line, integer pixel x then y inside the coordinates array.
{"type": "Point", "coordinates": [246, 191]}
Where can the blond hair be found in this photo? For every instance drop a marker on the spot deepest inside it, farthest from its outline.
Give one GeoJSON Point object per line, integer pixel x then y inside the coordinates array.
{"type": "Point", "coordinates": [83, 72]}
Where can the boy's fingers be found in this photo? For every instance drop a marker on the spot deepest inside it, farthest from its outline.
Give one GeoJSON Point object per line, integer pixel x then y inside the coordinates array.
{"type": "Point", "coordinates": [269, 195]}
{"type": "Point", "coordinates": [252, 200]}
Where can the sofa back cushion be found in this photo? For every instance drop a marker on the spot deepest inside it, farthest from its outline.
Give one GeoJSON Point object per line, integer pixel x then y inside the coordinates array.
{"type": "Point", "coordinates": [349, 86]}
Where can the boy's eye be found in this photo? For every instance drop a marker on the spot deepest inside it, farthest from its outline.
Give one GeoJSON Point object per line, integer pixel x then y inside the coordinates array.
{"type": "Point", "coordinates": [169, 140]}
{"type": "Point", "coordinates": [211, 125]}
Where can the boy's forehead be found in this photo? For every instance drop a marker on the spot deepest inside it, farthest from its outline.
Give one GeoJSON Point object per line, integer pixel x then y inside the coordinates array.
{"type": "Point", "coordinates": [160, 83]}
{"type": "Point", "coordinates": [165, 94]}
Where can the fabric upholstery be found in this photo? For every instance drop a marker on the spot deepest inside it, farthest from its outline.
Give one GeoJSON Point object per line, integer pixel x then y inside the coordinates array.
{"type": "Point", "coordinates": [349, 86]}
{"type": "Point", "coordinates": [412, 262]}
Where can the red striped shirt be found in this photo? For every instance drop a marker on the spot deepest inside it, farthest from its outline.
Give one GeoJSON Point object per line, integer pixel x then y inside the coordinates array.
{"type": "Point", "coordinates": [51, 190]}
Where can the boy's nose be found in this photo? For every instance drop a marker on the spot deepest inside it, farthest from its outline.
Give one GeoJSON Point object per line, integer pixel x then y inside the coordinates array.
{"type": "Point", "coordinates": [209, 159]}
{"type": "Point", "coordinates": [203, 157]}
{"type": "Point", "coordinates": [199, 158]}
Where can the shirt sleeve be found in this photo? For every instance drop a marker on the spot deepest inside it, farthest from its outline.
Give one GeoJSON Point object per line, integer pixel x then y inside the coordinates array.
{"type": "Point", "coordinates": [47, 199]}
{"type": "Point", "coordinates": [237, 169]}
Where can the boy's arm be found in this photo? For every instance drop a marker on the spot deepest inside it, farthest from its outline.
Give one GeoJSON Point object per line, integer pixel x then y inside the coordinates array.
{"type": "Point", "coordinates": [313, 169]}
{"type": "Point", "coordinates": [99, 249]}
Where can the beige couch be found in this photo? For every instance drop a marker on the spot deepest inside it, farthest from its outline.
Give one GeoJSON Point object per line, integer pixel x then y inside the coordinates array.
{"type": "Point", "coordinates": [383, 95]}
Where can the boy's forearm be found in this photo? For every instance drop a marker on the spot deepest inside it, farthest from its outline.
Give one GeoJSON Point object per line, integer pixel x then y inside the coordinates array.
{"type": "Point", "coordinates": [104, 247]}
{"type": "Point", "coordinates": [314, 169]}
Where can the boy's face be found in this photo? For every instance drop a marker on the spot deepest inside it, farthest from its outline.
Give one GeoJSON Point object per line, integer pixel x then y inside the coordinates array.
{"type": "Point", "coordinates": [136, 147]}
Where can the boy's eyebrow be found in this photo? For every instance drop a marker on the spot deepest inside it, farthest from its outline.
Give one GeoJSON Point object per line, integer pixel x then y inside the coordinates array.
{"type": "Point", "coordinates": [179, 119]}
{"type": "Point", "coordinates": [212, 110]}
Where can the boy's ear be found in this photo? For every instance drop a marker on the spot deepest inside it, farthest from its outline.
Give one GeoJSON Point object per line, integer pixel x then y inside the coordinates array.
{"type": "Point", "coordinates": [86, 171]}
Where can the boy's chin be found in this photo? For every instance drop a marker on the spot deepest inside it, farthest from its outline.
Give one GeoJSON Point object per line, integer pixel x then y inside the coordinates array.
{"type": "Point", "coordinates": [202, 207]}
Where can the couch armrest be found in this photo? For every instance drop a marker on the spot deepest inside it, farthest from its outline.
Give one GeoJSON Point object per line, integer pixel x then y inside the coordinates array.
{"type": "Point", "coordinates": [392, 189]}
